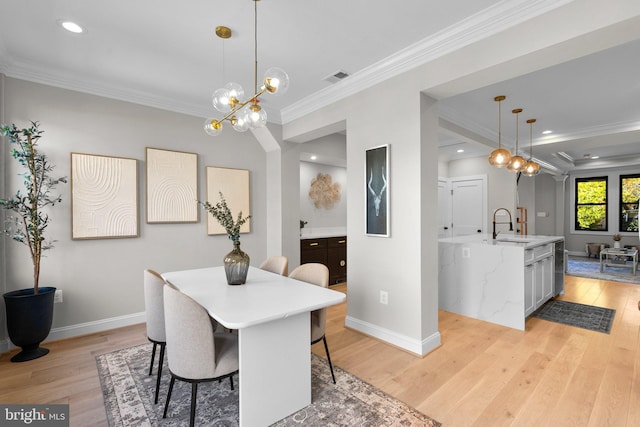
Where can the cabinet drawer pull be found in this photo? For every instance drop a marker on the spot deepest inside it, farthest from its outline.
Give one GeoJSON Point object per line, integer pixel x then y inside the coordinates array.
{"type": "Point", "coordinates": [313, 244]}
{"type": "Point", "coordinates": [341, 241]}
{"type": "Point", "coordinates": [343, 263]}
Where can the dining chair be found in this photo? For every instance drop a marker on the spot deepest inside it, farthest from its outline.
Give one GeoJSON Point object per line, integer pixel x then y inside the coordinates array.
{"type": "Point", "coordinates": [316, 274]}
{"type": "Point", "coordinates": [276, 264]}
{"type": "Point", "coordinates": [196, 353]}
{"type": "Point", "coordinates": [154, 312]}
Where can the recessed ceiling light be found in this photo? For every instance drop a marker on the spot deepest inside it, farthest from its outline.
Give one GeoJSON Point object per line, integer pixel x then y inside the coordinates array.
{"type": "Point", "coordinates": [313, 157]}
{"type": "Point", "coordinates": [595, 157]}
{"type": "Point", "coordinates": [72, 27]}
{"type": "Point", "coordinates": [547, 132]}
{"type": "Point", "coordinates": [460, 150]}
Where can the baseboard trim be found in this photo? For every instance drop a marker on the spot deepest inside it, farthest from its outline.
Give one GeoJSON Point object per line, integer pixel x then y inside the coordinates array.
{"type": "Point", "coordinates": [84, 328]}
{"type": "Point", "coordinates": [411, 345]}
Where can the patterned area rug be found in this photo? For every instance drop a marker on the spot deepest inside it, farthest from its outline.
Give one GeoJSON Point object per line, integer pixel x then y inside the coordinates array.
{"type": "Point", "coordinates": [128, 395]}
{"type": "Point", "coordinates": [590, 317]}
{"type": "Point", "coordinates": [590, 267]}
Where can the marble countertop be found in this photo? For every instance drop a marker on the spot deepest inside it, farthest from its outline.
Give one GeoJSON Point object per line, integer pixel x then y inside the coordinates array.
{"type": "Point", "coordinates": [321, 235]}
{"type": "Point", "coordinates": [525, 242]}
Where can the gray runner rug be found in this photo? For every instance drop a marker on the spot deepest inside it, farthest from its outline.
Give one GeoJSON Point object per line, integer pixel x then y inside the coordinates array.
{"type": "Point", "coordinates": [590, 317]}
{"type": "Point", "coordinates": [128, 396]}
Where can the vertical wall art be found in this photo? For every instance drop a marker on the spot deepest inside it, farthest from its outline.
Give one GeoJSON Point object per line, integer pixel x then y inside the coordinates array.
{"type": "Point", "coordinates": [377, 191]}
{"type": "Point", "coordinates": [104, 197]}
{"type": "Point", "coordinates": [172, 186]}
{"type": "Point", "coordinates": [234, 185]}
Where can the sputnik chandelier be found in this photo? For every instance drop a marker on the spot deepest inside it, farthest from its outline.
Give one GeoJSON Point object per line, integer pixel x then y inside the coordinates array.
{"type": "Point", "coordinates": [501, 157]}
{"type": "Point", "coordinates": [248, 114]}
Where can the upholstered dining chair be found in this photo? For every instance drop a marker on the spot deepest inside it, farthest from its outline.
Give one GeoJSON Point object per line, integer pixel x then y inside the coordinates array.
{"type": "Point", "coordinates": [316, 274]}
{"type": "Point", "coordinates": [196, 354]}
{"type": "Point", "coordinates": [276, 264]}
{"type": "Point", "coordinates": [154, 312]}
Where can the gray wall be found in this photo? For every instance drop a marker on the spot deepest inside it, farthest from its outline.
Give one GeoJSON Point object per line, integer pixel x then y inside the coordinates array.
{"type": "Point", "coordinates": [102, 279]}
{"type": "Point", "coordinates": [545, 202]}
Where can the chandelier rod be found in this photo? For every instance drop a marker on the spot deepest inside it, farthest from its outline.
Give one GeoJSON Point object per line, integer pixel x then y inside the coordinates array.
{"type": "Point", "coordinates": [255, 44]}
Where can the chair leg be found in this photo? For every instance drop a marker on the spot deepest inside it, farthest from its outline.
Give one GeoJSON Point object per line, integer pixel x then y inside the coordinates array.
{"type": "Point", "coordinates": [194, 393]}
{"type": "Point", "coordinates": [231, 376]}
{"type": "Point", "coordinates": [326, 348]}
{"type": "Point", "coordinates": [160, 362]}
{"type": "Point", "coordinates": [166, 405]}
{"type": "Point", "coordinates": [153, 357]}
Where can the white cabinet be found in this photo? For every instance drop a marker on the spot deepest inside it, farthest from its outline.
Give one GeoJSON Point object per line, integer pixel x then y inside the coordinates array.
{"type": "Point", "coordinates": [538, 277]}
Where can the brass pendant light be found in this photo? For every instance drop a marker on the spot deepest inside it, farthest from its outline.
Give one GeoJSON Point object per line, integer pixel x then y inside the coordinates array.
{"type": "Point", "coordinates": [531, 168]}
{"type": "Point", "coordinates": [499, 157]}
{"type": "Point", "coordinates": [517, 162]}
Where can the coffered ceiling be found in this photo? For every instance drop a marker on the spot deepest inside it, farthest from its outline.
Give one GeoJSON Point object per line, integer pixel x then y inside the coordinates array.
{"type": "Point", "coordinates": [165, 54]}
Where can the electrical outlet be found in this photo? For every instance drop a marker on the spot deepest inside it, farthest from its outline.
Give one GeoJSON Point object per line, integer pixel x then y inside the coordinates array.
{"type": "Point", "coordinates": [57, 296]}
{"type": "Point", "coordinates": [384, 297]}
{"type": "Point", "coordinates": [466, 252]}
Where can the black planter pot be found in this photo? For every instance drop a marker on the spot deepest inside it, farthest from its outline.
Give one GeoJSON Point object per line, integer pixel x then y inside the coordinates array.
{"type": "Point", "coordinates": [29, 319]}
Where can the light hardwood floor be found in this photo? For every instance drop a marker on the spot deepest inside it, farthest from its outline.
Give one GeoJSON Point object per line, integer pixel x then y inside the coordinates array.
{"type": "Point", "coordinates": [481, 375]}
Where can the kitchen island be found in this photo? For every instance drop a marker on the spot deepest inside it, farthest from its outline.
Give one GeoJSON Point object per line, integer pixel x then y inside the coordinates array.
{"type": "Point", "coordinates": [500, 281]}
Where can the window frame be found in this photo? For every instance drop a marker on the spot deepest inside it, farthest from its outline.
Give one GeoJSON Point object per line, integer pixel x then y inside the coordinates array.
{"type": "Point", "coordinates": [576, 205]}
{"type": "Point", "coordinates": [621, 202]}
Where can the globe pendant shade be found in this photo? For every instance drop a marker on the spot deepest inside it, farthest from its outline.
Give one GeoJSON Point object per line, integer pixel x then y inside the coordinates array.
{"type": "Point", "coordinates": [531, 168]}
{"type": "Point", "coordinates": [212, 127]}
{"type": "Point", "coordinates": [499, 157]}
{"type": "Point", "coordinates": [276, 81]}
{"type": "Point", "coordinates": [516, 164]}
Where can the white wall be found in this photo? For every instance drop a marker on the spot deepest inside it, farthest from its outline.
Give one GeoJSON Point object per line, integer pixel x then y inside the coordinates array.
{"type": "Point", "coordinates": [102, 279]}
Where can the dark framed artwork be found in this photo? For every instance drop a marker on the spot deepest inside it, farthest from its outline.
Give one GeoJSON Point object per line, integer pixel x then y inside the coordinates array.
{"type": "Point", "coordinates": [377, 191]}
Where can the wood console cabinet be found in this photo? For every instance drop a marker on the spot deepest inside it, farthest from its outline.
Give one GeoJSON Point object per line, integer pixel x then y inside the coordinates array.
{"type": "Point", "coordinates": [330, 251]}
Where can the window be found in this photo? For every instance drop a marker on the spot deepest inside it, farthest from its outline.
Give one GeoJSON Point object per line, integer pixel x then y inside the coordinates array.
{"type": "Point", "coordinates": [629, 195]}
{"type": "Point", "coordinates": [591, 204]}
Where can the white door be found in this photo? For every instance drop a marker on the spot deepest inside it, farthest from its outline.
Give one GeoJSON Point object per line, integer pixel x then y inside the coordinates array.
{"type": "Point", "coordinates": [468, 203]}
{"type": "Point", "coordinates": [444, 208]}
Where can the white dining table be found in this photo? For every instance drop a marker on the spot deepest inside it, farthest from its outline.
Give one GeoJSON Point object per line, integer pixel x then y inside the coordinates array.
{"type": "Point", "coordinates": [272, 316]}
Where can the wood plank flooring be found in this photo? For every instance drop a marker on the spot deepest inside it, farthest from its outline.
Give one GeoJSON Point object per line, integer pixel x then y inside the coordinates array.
{"type": "Point", "coordinates": [482, 375]}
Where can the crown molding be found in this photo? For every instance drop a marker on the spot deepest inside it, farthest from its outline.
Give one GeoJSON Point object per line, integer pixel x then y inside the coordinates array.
{"type": "Point", "coordinates": [490, 21]}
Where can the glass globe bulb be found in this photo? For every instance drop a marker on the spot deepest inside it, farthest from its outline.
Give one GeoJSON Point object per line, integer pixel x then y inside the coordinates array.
{"type": "Point", "coordinates": [516, 164]}
{"type": "Point", "coordinates": [256, 116]}
{"type": "Point", "coordinates": [240, 121]}
{"type": "Point", "coordinates": [220, 100]}
{"type": "Point", "coordinates": [500, 157]}
{"type": "Point", "coordinates": [531, 168]}
{"type": "Point", "coordinates": [276, 80]}
{"type": "Point", "coordinates": [236, 93]}
{"type": "Point", "coordinates": [212, 127]}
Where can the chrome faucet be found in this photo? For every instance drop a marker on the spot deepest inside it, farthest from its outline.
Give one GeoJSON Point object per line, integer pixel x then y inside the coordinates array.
{"type": "Point", "coordinates": [494, 221]}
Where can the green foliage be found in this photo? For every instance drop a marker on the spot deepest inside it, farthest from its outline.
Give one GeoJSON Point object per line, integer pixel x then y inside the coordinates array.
{"type": "Point", "coordinates": [222, 213]}
{"type": "Point", "coordinates": [28, 223]}
{"type": "Point", "coordinates": [592, 198]}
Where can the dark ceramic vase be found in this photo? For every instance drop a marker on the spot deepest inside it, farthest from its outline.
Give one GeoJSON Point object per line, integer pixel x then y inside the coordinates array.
{"type": "Point", "coordinates": [236, 265]}
{"type": "Point", "coordinates": [29, 319]}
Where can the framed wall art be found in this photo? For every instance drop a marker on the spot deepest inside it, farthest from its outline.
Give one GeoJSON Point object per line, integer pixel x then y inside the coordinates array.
{"type": "Point", "coordinates": [104, 197]}
{"type": "Point", "coordinates": [172, 186]}
{"type": "Point", "coordinates": [377, 191]}
{"type": "Point", "coordinates": [234, 185]}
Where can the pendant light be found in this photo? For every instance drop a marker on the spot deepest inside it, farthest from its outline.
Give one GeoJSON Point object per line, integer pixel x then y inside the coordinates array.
{"type": "Point", "coordinates": [531, 168]}
{"type": "Point", "coordinates": [499, 157]}
{"type": "Point", "coordinates": [517, 162]}
{"type": "Point", "coordinates": [245, 114]}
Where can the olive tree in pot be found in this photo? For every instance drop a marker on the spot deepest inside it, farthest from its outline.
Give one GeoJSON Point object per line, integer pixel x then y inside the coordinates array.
{"type": "Point", "coordinates": [30, 311]}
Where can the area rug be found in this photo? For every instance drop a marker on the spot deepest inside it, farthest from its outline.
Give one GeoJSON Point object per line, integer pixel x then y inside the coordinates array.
{"type": "Point", "coordinates": [590, 267]}
{"type": "Point", "coordinates": [128, 396]}
{"type": "Point", "coordinates": [590, 317]}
